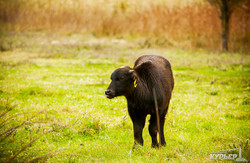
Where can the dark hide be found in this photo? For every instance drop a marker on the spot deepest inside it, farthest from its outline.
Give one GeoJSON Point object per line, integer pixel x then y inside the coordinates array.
{"type": "Point", "coordinates": [137, 84]}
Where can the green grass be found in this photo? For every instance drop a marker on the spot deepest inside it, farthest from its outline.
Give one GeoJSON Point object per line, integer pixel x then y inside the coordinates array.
{"type": "Point", "coordinates": [52, 86]}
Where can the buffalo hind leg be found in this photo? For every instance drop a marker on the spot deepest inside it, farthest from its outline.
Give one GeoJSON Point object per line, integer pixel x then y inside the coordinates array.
{"type": "Point", "coordinates": [152, 128]}
{"type": "Point", "coordinates": [162, 122]}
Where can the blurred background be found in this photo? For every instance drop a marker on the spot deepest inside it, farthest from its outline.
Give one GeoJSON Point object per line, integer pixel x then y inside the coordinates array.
{"type": "Point", "coordinates": [166, 23]}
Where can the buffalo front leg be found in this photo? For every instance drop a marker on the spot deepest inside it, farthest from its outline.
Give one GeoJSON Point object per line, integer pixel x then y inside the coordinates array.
{"type": "Point", "coordinates": [138, 125]}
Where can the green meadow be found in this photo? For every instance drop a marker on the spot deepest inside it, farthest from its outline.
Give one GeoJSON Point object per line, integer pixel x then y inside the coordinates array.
{"type": "Point", "coordinates": [53, 108]}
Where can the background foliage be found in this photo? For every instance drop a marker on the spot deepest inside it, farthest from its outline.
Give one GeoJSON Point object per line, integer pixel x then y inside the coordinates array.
{"type": "Point", "coordinates": [183, 24]}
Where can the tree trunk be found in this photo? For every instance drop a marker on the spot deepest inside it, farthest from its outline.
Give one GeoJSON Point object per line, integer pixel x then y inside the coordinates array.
{"type": "Point", "coordinates": [225, 14]}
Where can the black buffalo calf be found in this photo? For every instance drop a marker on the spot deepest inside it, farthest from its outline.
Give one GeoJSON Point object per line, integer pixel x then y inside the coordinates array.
{"type": "Point", "coordinates": [136, 84]}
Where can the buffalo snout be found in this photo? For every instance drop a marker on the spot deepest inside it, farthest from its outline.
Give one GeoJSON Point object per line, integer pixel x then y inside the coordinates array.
{"type": "Point", "coordinates": [108, 93]}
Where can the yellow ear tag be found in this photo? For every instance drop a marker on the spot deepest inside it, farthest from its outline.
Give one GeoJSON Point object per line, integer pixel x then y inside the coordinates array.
{"type": "Point", "coordinates": [135, 83]}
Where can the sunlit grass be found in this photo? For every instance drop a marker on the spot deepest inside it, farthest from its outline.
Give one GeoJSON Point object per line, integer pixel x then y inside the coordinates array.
{"type": "Point", "coordinates": [54, 93]}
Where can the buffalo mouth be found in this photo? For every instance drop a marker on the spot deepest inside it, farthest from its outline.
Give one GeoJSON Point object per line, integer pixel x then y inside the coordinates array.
{"type": "Point", "coordinates": [109, 96]}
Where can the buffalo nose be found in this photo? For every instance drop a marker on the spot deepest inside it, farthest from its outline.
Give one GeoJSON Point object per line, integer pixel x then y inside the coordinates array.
{"type": "Point", "coordinates": [107, 92]}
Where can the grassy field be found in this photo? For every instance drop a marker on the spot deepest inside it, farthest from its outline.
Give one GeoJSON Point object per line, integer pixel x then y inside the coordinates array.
{"type": "Point", "coordinates": [53, 108]}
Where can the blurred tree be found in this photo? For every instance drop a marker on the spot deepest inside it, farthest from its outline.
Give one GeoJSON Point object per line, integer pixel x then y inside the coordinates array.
{"type": "Point", "coordinates": [226, 8]}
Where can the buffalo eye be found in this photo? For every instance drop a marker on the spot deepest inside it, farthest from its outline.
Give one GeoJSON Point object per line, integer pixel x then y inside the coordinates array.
{"type": "Point", "coordinates": [119, 78]}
